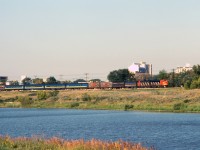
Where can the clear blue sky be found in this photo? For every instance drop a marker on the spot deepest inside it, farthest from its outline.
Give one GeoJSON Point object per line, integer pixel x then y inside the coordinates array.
{"type": "Point", "coordinates": [73, 37]}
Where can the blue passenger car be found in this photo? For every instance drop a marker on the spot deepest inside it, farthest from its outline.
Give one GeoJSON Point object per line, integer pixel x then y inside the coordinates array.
{"type": "Point", "coordinates": [14, 87]}
{"type": "Point", "coordinates": [34, 87]}
{"type": "Point", "coordinates": [76, 85]}
{"type": "Point", "coordinates": [54, 86]}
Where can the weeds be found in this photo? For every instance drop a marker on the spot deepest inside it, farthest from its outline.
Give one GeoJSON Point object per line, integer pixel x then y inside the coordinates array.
{"type": "Point", "coordinates": [60, 144]}
{"type": "Point", "coordinates": [86, 97]}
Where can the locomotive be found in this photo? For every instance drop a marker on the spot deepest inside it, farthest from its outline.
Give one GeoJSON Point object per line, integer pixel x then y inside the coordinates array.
{"type": "Point", "coordinates": [89, 85]}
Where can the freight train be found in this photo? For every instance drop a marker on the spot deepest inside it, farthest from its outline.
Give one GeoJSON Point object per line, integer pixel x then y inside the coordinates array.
{"type": "Point", "coordinates": [89, 85]}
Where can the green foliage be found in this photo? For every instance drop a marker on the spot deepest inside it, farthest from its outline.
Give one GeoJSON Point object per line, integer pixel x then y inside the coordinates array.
{"type": "Point", "coordinates": [26, 80]}
{"type": "Point", "coordinates": [187, 79]}
{"type": "Point", "coordinates": [37, 81]}
{"type": "Point", "coordinates": [186, 101]}
{"type": "Point", "coordinates": [120, 75]}
{"type": "Point", "coordinates": [187, 84]}
{"type": "Point", "coordinates": [51, 80]}
{"type": "Point", "coordinates": [179, 106]}
{"type": "Point", "coordinates": [73, 105]}
{"type": "Point", "coordinates": [162, 75]}
{"type": "Point", "coordinates": [25, 101]}
{"type": "Point", "coordinates": [127, 106]}
{"type": "Point", "coordinates": [95, 80]}
{"type": "Point", "coordinates": [86, 97]}
{"type": "Point", "coordinates": [194, 84]}
{"type": "Point", "coordinates": [79, 80]}
{"type": "Point", "coordinates": [196, 69]}
{"type": "Point", "coordinates": [53, 93]}
{"type": "Point", "coordinates": [42, 95]}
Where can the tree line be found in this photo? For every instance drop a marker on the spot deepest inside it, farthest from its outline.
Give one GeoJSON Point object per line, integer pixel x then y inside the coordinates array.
{"type": "Point", "coordinates": [188, 79]}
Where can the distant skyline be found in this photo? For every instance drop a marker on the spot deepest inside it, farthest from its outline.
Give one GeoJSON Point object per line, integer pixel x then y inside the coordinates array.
{"type": "Point", "coordinates": [68, 38]}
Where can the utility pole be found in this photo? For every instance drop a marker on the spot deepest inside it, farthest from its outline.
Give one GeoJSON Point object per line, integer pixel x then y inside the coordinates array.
{"type": "Point", "coordinates": [61, 77]}
{"type": "Point", "coordinates": [151, 71]}
{"type": "Point", "coordinates": [86, 76]}
{"type": "Point", "coordinates": [173, 84]}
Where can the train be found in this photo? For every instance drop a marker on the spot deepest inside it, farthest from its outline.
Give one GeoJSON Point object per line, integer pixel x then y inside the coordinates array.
{"type": "Point", "coordinates": [89, 85]}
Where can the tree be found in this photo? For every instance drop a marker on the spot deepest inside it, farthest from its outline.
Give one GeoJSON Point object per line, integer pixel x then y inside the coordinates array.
{"type": "Point", "coordinates": [196, 69]}
{"type": "Point", "coordinates": [95, 80]}
{"type": "Point", "coordinates": [37, 81]}
{"type": "Point", "coordinates": [51, 80]}
{"type": "Point", "coordinates": [162, 75]}
{"type": "Point", "coordinates": [120, 75]}
{"type": "Point", "coordinates": [27, 80]}
{"type": "Point", "coordinates": [79, 80]}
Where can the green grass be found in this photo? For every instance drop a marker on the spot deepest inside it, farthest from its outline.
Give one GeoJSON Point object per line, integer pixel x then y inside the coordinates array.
{"type": "Point", "coordinates": [166, 99]}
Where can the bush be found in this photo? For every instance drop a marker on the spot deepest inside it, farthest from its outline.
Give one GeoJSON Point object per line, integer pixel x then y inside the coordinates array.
{"type": "Point", "coordinates": [42, 95]}
{"type": "Point", "coordinates": [53, 93]}
{"type": "Point", "coordinates": [127, 106]}
{"type": "Point", "coordinates": [187, 84]}
{"type": "Point", "coordinates": [74, 105]}
{"type": "Point", "coordinates": [194, 84]}
{"type": "Point", "coordinates": [179, 106]}
{"type": "Point", "coordinates": [86, 97]}
{"type": "Point", "coordinates": [25, 101]}
{"type": "Point", "coordinates": [186, 101]}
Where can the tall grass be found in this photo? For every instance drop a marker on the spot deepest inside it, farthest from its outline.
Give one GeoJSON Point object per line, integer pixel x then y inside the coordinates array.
{"type": "Point", "coordinates": [60, 144]}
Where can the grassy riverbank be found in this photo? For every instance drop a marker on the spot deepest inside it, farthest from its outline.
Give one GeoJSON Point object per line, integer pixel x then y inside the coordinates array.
{"type": "Point", "coordinates": [168, 99]}
{"type": "Point", "coordinates": [7, 143]}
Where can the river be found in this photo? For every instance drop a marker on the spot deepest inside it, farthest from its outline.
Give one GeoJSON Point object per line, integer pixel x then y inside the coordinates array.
{"type": "Point", "coordinates": [177, 131]}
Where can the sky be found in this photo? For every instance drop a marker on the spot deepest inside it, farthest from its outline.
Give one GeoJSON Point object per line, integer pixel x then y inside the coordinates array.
{"type": "Point", "coordinates": [68, 38]}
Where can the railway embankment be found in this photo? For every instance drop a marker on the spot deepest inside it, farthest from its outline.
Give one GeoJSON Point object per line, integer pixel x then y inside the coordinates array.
{"type": "Point", "coordinates": [158, 100]}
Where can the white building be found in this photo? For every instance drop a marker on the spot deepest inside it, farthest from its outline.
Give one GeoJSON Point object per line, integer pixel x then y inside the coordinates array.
{"type": "Point", "coordinates": [187, 67]}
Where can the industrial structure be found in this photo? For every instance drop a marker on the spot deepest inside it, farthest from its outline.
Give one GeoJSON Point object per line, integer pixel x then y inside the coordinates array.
{"type": "Point", "coordinates": [142, 70]}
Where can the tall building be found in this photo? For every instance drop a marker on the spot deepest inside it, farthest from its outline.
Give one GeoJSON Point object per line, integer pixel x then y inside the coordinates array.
{"type": "Point", "coordinates": [141, 67]}
{"type": "Point", "coordinates": [141, 70]}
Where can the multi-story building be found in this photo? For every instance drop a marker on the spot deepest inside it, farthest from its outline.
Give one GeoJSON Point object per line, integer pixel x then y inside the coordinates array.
{"type": "Point", "coordinates": [187, 67]}
{"type": "Point", "coordinates": [141, 67]}
{"type": "Point", "coordinates": [141, 70]}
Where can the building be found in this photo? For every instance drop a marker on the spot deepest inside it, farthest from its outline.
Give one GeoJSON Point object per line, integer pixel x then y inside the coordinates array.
{"type": "Point", "coordinates": [142, 70]}
{"type": "Point", "coordinates": [187, 67]}
{"type": "Point", "coordinates": [141, 67]}
{"type": "Point", "coordinates": [3, 79]}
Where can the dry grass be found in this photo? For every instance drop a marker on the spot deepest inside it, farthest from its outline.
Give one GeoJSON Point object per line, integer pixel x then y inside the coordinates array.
{"type": "Point", "coordinates": [140, 99]}
{"type": "Point", "coordinates": [60, 144]}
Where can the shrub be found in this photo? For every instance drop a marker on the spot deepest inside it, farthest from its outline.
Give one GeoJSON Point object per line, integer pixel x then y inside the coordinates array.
{"type": "Point", "coordinates": [194, 84]}
{"type": "Point", "coordinates": [127, 106]}
{"type": "Point", "coordinates": [74, 105]}
{"type": "Point", "coordinates": [187, 84]}
{"type": "Point", "coordinates": [25, 101]}
{"type": "Point", "coordinates": [179, 106]}
{"type": "Point", "coordinates": [42, 95]}
{"type": "Point", "coordinates": [86, 97]}
{"type": "Point", "coordinates": [186, 101]}
{"type": "Point", "coordinates": [53, 93]}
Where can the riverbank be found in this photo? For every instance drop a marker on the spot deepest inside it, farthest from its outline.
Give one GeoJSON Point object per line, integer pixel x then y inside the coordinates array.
{"type": "Point", "coordinates": [60, 144]}
{"type": "Point", "coordinates": [166, 99]}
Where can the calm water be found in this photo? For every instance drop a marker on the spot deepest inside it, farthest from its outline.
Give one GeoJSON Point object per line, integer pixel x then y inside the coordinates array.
{"type": "Point", "coordinates": [168, 131]}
